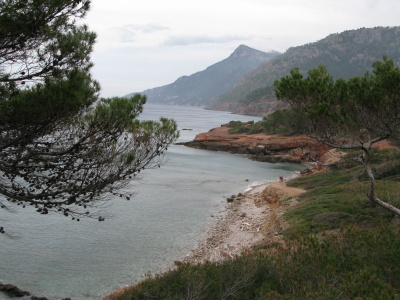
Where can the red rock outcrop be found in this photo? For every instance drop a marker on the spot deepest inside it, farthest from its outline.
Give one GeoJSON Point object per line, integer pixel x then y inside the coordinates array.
{"type": "Point", "coordinates": [261, 147]}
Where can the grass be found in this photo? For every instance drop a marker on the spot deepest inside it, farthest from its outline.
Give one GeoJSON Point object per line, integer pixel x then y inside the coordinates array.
{"type": "Point", "coordinates": [330, 205]}
{"type": "Point", "coordinates": [338, 246]}
{"type": "Point", "coordinates": [339, 197]}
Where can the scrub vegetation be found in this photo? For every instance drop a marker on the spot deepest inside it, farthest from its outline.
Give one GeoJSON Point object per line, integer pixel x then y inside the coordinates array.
{"type": "Point", "coordinates": [339, 245]}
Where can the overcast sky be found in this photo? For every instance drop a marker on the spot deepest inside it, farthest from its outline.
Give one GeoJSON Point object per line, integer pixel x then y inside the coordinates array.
{"type": "Point", "coordinates": [146, 44]}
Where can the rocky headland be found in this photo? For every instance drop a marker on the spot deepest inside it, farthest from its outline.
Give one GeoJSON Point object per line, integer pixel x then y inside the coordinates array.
{"type": "Point", "coordinates": [262, 147]}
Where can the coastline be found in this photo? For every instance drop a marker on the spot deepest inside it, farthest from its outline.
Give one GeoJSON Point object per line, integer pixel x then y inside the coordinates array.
{"type": "Point", "coordinates": [254, 216]}
{"type": "Point", "coordinates": [260, 146]}
{"type": "Point", "coordinates": [251, 217]}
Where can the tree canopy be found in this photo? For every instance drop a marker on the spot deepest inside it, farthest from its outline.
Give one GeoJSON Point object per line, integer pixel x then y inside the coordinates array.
{"type": "Point", "coordinates": [62, 148]}
{"type": "Point", "coordinates": [348, 114]}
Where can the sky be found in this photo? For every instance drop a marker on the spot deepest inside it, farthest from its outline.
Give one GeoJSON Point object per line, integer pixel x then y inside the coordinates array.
{"type": "Point", "coordinates": [147, 44]}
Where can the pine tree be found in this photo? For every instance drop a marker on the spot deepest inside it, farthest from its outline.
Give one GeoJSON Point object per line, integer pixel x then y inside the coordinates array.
{"type": "Point", "coordinates": [350, 114]}
{"type": "Point", "coordinates": [61, 147]}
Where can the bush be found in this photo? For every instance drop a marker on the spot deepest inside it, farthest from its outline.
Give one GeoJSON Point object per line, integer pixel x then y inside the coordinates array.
{"type": "Point", "coordinates": [285, 122]}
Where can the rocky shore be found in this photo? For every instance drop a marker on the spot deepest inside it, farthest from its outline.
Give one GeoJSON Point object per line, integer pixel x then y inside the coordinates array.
{"type": "Point", "coordinates": [15, 292]}
{"type": "Point", "coordinates": [252, 217]}
{"type": "Point", "coordinates": [261, 147]}
{"type": "Point", "coordinates": [257, 215]}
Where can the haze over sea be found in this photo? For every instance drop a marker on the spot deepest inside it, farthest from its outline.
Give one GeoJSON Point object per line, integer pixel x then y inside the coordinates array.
{"type": "Point", "coordinates": [56, 257]}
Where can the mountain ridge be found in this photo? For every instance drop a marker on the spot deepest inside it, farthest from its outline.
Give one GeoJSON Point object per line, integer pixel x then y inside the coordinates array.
{"type": "Point", "coordinates": [347, 54]}
{"type": "Point", "coordinates": [200, 88]}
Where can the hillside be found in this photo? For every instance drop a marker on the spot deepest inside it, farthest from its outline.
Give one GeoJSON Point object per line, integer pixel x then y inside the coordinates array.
{"type": "Point", "coordinates": [347, 54]}
{"type": "Point", "coordinates": [199, 88]}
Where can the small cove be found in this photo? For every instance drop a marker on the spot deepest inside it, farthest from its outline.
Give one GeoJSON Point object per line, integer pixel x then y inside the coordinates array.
{"type": "Point", "coordinates": [55, 257]}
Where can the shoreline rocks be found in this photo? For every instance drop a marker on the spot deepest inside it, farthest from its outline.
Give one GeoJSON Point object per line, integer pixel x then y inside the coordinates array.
{"type": "Point", "coordinates": [15, 292]}
{"type": "Point", "coordinates": [252, 217]}
{"type": "Point", "coordinates": [260, 147]}
{"type": "Point", "coordinates": [12, 290]}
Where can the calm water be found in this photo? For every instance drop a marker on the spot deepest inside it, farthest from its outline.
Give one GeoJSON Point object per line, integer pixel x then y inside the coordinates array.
{"type": "Point", "coordinates": [55, 257]}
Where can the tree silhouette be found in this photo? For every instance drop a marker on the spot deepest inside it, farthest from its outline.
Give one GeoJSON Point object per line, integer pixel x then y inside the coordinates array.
{"type": "Point", "coordinates": [61, 147]}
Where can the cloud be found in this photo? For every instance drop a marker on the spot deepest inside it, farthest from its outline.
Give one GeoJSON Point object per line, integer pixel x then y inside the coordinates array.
{"type": "Point", "coordinates": [147, 28]}
{"type": "Point", "coordinates": [185, 40]}
{"type": "Point", "coordinates": [152, 43]}
{"type": "Point", "coordinates": [128, 33]}
{"type": "Point", "coordinates": [125, 35]}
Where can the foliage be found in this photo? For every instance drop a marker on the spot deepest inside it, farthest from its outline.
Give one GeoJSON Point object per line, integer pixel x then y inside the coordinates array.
{"type": "Point", "coordinates": [337, 198]}
{"type": "Point", "coordinates": [249, 127]}
{"type": "Point", "coordinates": [257, 94]}
{"type": "Point", "coordinates": [285, 122]}
{"type": "Point", "coordinates": [308, 268]}
{"type": "Point", "coordinates": [348, 114]}
{"type": "Point", "coordinates": [361, 109]}
{"type": "Point", "coordinates": [61, 148]}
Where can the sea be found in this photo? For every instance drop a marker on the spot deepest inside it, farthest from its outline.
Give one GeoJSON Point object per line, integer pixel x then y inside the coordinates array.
{"type": "Point", "coordinates": [52, 256]}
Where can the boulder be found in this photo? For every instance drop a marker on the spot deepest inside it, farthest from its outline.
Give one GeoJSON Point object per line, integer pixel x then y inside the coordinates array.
{"type": "Point", "coordinates": [12, 290]}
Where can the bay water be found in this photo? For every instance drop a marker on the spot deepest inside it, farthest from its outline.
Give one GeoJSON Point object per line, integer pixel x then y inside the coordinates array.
{"type": "Point", "coordinates": [55, 257]}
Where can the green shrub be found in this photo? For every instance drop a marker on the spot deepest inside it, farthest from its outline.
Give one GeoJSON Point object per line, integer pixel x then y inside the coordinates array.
{"type": "Point", "coordinates": [285, 122]}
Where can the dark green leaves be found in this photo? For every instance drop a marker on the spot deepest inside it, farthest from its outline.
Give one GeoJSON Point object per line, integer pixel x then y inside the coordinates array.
{"type": "Point", "coordinates": [61, 148]}
{"type": "Point", "coordinates": [346, 108]}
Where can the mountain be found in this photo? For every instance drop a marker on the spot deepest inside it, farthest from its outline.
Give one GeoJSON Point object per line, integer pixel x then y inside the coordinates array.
{"type": "Point", "coordinates": [347, 54]}
{"type": "Point", "coordinates": [198, 89]}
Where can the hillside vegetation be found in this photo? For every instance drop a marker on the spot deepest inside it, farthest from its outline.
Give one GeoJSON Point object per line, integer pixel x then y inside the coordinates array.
{"type": "Point", "coordinates": [345, 55]}
{"type": "Point", "coordinates": [338, 246]}
{"type": "Point", "coordinates": [285, 122]}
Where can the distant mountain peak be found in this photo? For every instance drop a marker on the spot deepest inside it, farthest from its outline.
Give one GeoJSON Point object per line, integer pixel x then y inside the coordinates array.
{"type": "Point", "coordinates": [246, 52]}
{"type": "Point", "coordinates": [345, 55]}
{"type": "Point", "coordinates": [201, 87]}
{"type": "Point", "coordinates": [243, 50]}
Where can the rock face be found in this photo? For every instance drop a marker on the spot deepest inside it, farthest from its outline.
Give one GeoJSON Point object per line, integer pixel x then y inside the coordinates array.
{"type": "Point", "coordinates": [261, 147]}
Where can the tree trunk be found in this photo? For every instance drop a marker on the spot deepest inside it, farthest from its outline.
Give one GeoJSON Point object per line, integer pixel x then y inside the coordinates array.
{"type": "Point", "coordinates": [371, 195]}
